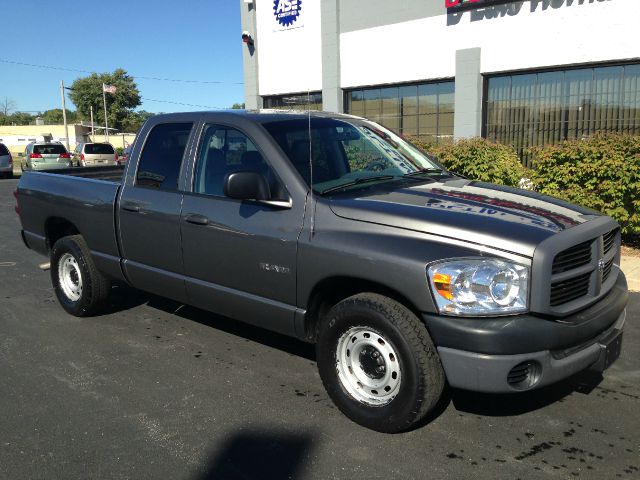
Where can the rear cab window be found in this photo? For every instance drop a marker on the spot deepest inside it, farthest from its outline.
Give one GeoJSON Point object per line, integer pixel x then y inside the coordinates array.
{"type": "Point", "coordinates": [99, 149]}
{"type": "Point", "coordinates": [3, 150]}
{"type": "Point", "coordinates": [53, 149]}
{"type": "Point", "coordinates": [162, 155]}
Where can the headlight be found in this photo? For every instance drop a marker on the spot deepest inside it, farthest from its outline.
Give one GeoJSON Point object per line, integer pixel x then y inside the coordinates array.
{"type": "Point", "coordinates": [479, 286]}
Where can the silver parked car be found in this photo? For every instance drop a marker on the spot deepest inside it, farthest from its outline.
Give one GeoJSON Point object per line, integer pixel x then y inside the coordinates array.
{"type": "Point", "coordinates": [94, 155]}
{"type": "Point", "coordinates": [6, 162]}
{"type": "Point", "coordinates": [46, 156]}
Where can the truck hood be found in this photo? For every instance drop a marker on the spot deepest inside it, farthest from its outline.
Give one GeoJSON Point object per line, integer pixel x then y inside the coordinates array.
{"type": "Point", "coordinates": [476, 212]}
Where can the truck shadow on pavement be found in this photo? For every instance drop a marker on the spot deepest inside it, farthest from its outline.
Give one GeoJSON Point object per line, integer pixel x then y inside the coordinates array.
{"type": "Point", "coordinates": [494, 405]}
{"type": "Point", "coordinates": [511, 404]}
{"type": "Point", "coordinates": [259, 454]}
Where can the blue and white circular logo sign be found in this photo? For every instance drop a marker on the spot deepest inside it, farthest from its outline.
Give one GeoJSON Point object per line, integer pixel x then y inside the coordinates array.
{"type": "Point", "coordinates": [287, 11]}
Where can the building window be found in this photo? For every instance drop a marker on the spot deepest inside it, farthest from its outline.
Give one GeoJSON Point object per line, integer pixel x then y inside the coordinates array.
{"type": "Point", "coordinates": [542, 108]}
{"type": "Point", "coordinates": [424, 110]}
{"type": "Point", "coordinates": [295, 101]}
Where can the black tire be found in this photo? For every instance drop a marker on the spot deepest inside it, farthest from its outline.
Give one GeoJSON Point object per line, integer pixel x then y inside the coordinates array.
{"type": "Point", "coordinates": [422, 377]}
{"type": "Point", "coordinates": [94, 286]}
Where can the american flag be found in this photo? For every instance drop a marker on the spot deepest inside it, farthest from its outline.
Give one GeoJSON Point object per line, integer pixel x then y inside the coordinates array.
{"type": "Point", "coordinates": [108, 88]}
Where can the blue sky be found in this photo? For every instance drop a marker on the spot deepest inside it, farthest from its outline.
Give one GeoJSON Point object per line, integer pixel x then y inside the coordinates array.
{"type": "Point", "coordinates": [185, 40]}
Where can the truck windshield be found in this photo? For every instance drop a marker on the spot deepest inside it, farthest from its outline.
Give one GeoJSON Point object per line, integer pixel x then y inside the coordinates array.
{"type": "Point", "coordinates": [347, 153]}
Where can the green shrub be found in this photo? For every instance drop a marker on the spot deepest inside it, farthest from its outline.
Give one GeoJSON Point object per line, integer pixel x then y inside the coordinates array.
{"type": "Point", "coordinates": [601, 172]}
{"type": "Point", "coordinates": [478, 159]}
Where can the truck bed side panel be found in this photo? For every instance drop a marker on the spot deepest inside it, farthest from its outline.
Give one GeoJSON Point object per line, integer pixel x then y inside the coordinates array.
{"type": "Point", "coordinates": [87, 204]}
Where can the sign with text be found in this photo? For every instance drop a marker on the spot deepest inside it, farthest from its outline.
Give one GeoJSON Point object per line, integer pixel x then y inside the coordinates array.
{"type": "Point", "coordinates": [461, 5]}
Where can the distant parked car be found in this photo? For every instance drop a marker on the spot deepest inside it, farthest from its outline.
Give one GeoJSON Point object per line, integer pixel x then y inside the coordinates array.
{"type": "Point", "coordinates": [125, 154]}
{"type": "Point", "coordinates": [45, 156]}
{"type": "Point", "coordinates": [6, 162]}
{"type": "Point", "coordinates": [94, 155]}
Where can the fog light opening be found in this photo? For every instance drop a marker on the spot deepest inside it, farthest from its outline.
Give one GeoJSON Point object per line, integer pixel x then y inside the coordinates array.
{"type": "Point", "coordinates": [525, 375]}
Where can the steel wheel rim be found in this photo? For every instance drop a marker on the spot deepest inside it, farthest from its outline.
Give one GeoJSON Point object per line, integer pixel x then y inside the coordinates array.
{"type": "Point", "coordinates": [70, 277]}
{"type": "Point", "coordinates": [360, 354]}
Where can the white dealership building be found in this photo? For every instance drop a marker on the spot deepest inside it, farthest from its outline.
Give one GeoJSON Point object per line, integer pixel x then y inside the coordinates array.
{"type": "Point", "coordinates": [524, 72]}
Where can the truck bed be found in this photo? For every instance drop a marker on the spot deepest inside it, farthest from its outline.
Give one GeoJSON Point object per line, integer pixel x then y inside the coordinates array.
{"type": "Point", "coordinates": [74, 199]}
{"type": "Point", "coordinates": [108, 173]}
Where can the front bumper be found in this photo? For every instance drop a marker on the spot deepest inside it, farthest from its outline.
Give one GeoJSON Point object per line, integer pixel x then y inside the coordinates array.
{"type": "Point", "coordinates": [488, 355]}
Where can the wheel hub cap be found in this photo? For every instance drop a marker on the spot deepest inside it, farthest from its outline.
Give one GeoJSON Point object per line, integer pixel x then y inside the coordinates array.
{"type": "Point", "coordinates": [69, 277]}
{"type": "Point", "coordinates": [367, 366]}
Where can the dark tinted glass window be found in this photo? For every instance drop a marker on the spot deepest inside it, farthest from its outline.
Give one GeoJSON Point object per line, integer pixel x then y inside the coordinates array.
{"type": "Point", "coordinates": [53, 149]}
{"type": "Point", "coordinates": [301, 101]}
{"type": "Point", "coordinates": [531, 109]}
{"type": "Point", "coordinates": [422, 110]}
{"type": "Point", "coordinates": [3, 150]}
{"type": "Point", "coordinates": [162, 156]}
{"type": "Point", "coordinates": [98, 149]}
{"type": "Point", "coordinates": [225, 150]}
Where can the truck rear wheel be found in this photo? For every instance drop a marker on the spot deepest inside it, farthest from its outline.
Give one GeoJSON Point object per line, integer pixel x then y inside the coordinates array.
{"type": "Point", "coordinates": [378, 363]}
{"type": "Point", "coordinates": [81, 289]}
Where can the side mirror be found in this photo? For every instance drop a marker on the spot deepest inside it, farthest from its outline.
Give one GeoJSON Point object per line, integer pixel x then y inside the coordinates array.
{"type": "Point", "coordinates": [247, 186]}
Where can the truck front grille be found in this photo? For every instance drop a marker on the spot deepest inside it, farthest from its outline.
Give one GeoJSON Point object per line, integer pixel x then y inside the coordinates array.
{"type": "Point", "coordinates": [581, 271]}
{"type": "Point", "coordinates": [609, 240]}
{"type": "Point", "coordinates": [565, 291]}
{"type": "Point", "coordinates": [573, 257]}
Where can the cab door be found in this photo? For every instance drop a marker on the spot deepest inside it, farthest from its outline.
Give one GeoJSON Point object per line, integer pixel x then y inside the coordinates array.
{"type": "Point", "coordinates": [149, 212]}
{"type": "Point", "coordinates": [239, 256]}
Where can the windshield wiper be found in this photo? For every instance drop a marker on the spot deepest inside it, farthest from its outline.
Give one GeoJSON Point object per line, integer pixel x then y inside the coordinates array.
{"type": "Point", "coordinates": [424, 171]}
{"type": "Point", "coordinates": [358, 181]}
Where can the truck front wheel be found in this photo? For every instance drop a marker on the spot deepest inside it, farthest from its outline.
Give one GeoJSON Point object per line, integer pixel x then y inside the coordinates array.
{"type": "Point", "coordinates": [81, 289]}
{"type": "Point", "coordinates": [378, 363]}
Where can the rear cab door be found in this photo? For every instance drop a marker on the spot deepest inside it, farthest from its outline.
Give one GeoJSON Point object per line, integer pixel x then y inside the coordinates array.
{"type": "Point", "coordinates": [150, 205]}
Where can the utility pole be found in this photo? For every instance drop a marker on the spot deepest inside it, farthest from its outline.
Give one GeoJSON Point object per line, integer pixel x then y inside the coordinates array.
{"type": "Point", "coordinates": [106, 123]}
{"type": "Point", "coordinates": [64, 114]}
{"type": "Point", "coordinates": [93, 135]}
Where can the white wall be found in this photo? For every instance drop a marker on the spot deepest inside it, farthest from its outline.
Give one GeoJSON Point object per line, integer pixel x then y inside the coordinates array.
{"type": "Point", "coordinates": [290, 60]}
{"type": "Point", "coordinates": [578, 31]}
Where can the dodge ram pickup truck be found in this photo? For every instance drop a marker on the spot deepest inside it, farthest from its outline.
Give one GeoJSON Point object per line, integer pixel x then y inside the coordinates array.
{"type": "Point", "coordinates": [335, 230]}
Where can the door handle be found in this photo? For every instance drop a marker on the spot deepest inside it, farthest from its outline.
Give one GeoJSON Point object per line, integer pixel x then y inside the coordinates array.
{"type": "Point", "coordinates": [131, 207]}
{"type": "Point", "coordinates": [196, 219]}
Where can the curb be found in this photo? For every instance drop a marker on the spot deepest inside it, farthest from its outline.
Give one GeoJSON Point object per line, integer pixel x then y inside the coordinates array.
{"type": "Point", "coordinates": [631, 268]}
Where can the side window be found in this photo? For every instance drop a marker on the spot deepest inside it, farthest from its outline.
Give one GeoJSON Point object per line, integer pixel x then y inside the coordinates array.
{"type": "Point", "coordinates": [224, 150]}
{"type": "Point", "coordinates": [161, 157]}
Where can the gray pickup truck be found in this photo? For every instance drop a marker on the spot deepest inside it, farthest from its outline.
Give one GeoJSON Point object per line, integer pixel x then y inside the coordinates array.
{"type": "Point", "coordinates": [332, 229]}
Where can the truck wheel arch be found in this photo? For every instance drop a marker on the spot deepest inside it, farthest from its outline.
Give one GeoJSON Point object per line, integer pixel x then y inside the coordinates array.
{"type": "Point", "coordinates": [329, 291]}
{"type": "Point", "coordinates": [56, 228]}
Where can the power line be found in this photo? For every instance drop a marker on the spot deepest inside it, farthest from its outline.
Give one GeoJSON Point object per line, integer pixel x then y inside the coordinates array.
{"type": "Point", "coordinates": [160, 79]}
{"type": "Point", "coordinates": [184, 104]}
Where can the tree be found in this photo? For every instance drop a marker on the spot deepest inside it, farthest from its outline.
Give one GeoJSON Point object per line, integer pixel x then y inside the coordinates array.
{"type": "Point", "coordinates": [134, 121]}
{"type": "Point", "coordinates": [87, 92]}
{"type": "Point", "coordinates": [7, 106]}
{"type": "Point", "coordinates": [17, 118]}
{"type": "Point", "coordinates": [237, 106]}
{"type": "Point", "coordinates": [54, 117]}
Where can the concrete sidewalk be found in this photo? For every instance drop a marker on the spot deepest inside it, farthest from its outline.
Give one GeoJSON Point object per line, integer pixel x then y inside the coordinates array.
{"type": "Point", "coordinates": [631, 268]}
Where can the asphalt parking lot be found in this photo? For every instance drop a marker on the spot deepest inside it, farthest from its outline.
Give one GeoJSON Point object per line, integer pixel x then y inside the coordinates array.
{"type": "Point", "coordinates": [154, 389]}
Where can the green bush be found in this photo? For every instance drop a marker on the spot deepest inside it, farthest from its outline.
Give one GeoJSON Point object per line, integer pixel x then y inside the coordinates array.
{"type": "Point", "coordinates": [601, 172]}
{"type": "Point", "coordinates": [478, 159]}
